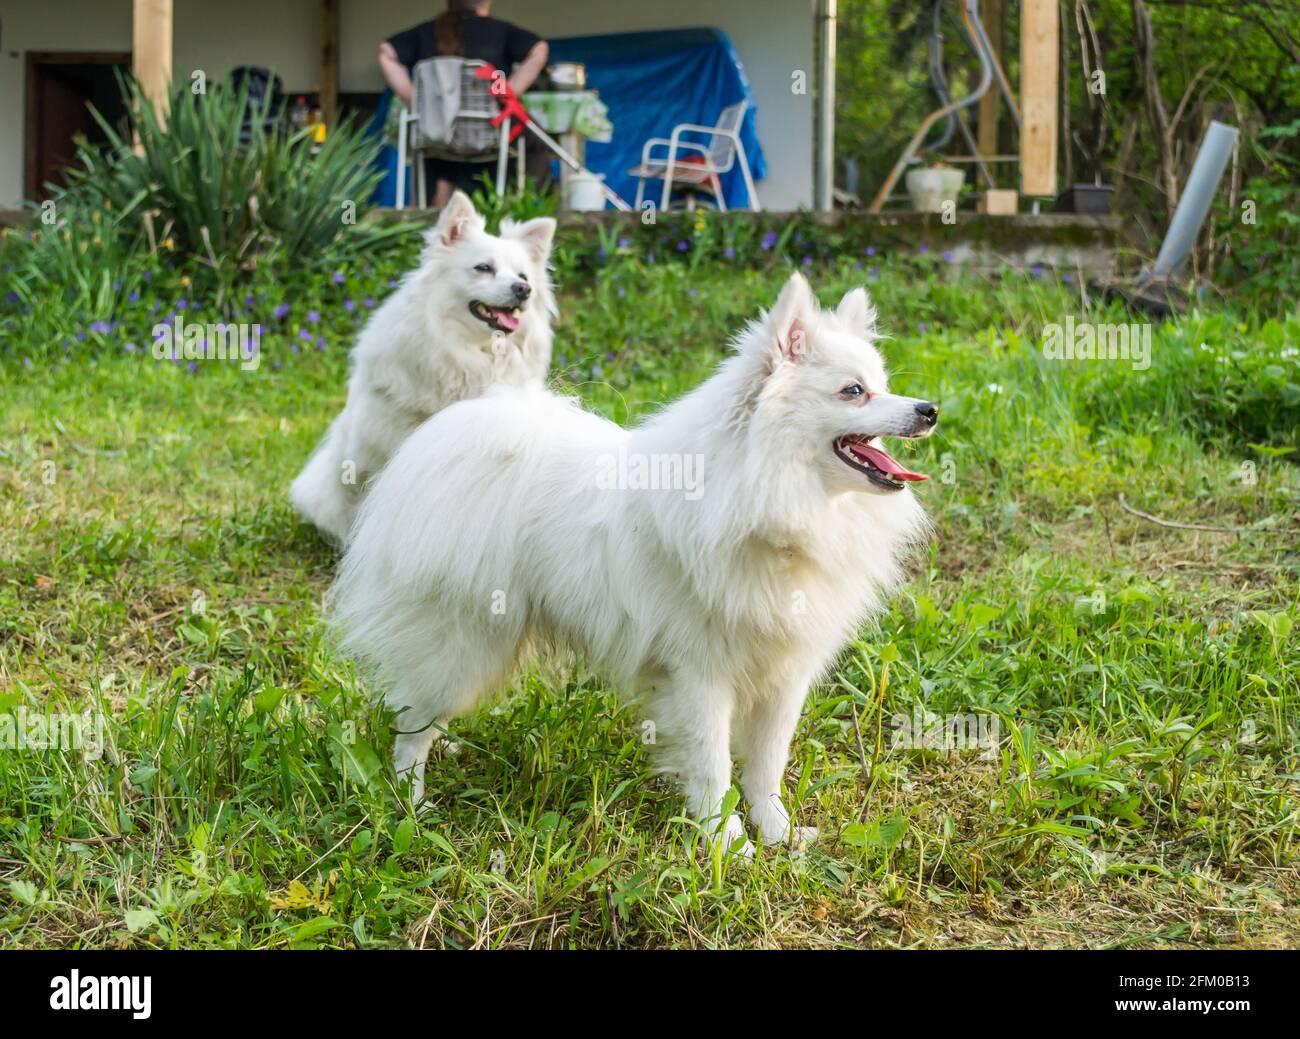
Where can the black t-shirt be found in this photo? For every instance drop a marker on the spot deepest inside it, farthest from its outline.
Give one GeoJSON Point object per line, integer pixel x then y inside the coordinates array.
{"type": "Point", "coordinates": [499, 43]}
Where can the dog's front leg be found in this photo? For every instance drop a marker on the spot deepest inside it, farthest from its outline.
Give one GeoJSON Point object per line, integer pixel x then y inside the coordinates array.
{"type": "Point", "coordinates": [764, 747]}
{"type": "Point", "coordinates": [693, 717]}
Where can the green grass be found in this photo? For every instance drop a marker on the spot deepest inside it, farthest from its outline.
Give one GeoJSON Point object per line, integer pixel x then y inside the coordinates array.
{"type": "Point", "coordinates": [1142, 789]}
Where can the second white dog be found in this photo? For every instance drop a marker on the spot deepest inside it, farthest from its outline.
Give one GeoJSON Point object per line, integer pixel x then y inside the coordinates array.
{"type": "Point", "coordinates": [519, 519]}
{"type": "Point", "coordinates": [477, 311]}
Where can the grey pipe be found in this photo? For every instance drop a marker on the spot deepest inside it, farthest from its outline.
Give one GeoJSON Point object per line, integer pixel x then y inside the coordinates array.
{"type": "Point", "coordinates": [1194, 206]}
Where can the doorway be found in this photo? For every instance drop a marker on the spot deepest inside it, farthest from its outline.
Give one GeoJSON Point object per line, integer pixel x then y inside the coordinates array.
{"type": "Point", "coordinates": [60, 87]}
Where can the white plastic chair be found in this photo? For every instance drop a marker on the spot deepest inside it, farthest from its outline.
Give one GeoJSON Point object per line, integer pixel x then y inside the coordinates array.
{"type": "Point", "coordinates": [477, 105]}
{"type": "Point", "coordinates": [723, 151]}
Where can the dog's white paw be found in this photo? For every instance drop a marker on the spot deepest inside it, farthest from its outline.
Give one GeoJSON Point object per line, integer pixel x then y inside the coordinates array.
{"type": "Point", "coordinates": [729, 837]}
{"type": "Point", "coordinates": [773, 824]}
{"type": "Point", "coordinates": [445, 748]}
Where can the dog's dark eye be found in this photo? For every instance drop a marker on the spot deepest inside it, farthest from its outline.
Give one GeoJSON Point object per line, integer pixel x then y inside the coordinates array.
{"type": "Point", "coordinates": [523, 276]}
{"type": "Point", "coordinates": [853, 389]}
{"type": "Point", "coordinates": [485, 268]}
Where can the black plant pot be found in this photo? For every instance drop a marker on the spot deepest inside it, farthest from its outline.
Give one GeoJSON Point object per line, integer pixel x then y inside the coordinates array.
{"type": "Point", "coordinates": [1084, 198]}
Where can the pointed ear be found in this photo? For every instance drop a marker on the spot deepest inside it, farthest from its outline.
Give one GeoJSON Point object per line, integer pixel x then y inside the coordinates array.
{"type": "Point", "coordinates": [458, 218]}
{"type": "Point", "coordinates": [791, 318]}
{"type": "Point", "coordinates": [536, 236]}
{"type": "Point", "coordinates": [856, 313]}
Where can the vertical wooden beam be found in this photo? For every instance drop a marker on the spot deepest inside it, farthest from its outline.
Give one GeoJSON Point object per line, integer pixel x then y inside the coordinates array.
{"type": "Point", "coordinates": [329, 61]}
{"type": "Point", "coordinates": [1039, 82]}
{"type": "Point", "coordinates": [151, 50]}
{"type": "Point", "coordinates": [992, 14]}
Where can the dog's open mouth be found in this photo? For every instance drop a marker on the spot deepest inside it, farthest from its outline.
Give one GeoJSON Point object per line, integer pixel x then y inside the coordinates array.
{"type": "Point", "coordinates": [503, 319]}
{"type": "Point", "coordinates": [875, 462]}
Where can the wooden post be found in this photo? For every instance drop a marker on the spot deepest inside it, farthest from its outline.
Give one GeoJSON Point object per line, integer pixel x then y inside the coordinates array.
{"type": "Point", "coordinates": [329, 61]}
{"type": "Point", "coordinates": [1039, 78]}
{"type": "Point", "coordinates": [151, 50]}
{"type": "Point", "coordinates": [992, 14]}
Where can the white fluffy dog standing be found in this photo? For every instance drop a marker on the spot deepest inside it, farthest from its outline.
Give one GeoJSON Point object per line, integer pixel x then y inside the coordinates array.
{"type": "Point", "coordinates": [519, 519]}
{"type": "Point", "coordinates": [477, 311]}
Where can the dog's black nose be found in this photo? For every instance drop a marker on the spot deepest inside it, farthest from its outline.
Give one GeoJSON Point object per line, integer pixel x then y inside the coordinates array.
{"type": "Point", "coordinates": [522, 290]}
{"type": "Point", "coordinates": [928, 411]}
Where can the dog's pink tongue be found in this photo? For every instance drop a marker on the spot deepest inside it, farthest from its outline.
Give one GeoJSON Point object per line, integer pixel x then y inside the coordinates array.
{"type": "Point", "coordinates": [508, 320]}
{"type": "Point", "coordinates": [884, 463]}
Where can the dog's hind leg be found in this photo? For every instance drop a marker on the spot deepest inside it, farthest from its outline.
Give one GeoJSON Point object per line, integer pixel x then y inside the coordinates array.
{"type": "Point", "coordinates": [692, 720]}
{"type": "Point", "coordinates": [763, 745]}
{"type": "Point", "coordinates": [461, 673]}
{"type": "Point", "coordinates": [321, 492]}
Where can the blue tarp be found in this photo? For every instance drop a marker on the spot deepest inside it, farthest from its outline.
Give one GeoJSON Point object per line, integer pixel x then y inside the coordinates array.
{"type": "Point", "coordinates": [651, 81]}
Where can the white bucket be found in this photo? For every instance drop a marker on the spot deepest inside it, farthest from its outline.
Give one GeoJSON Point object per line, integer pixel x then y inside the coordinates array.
{"type": "Point", "coordinates": [584, 192]}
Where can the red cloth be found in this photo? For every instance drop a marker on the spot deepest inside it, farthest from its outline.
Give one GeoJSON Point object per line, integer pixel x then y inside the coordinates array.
{"type": "Point", "coordinates": [511, 106]}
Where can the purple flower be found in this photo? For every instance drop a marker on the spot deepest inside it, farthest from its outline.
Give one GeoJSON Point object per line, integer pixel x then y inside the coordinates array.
{"type": "Point", "coordinates": [871, 250]}
{"type": "Point", "coordinates": [349, 305]}
{"type": "Point", "coordinates": [1036, 270]}
{"type": "Point", "coordinates": [693, 293]}
{"type": "Point", "coordinates": [277, 366]}
{"type": "Point", "coordinates": [922, 248]}
{"type": "Point", "coordinates": [193, 366]}
{"type": "Point", "coordinates": [947, 256]}
{"type": "Point", "coordinates": [920, 327]}
{"type": "Point", "coordinates": [623, 243]}
{"type": "Point", "coordinates": [729, 253]}
{"type": "Point", "coordinates": [182, 304]}
{"type": "Point", "coordinates": [683, 245]}
{"type": "Point", "coordinates": [11, 297]}
{"type": "Point", "coordinates": [769, 240]}
{"type": "Point", "coordinates": [338, 277]}
{"type": "Point", "coordinates": [133, 297]}
{"type": "Point", "coordinates": [313, 316]}
{"type": "Point", "coordinates": [368, 303]}
{"type": "Point", "coordinates": [873, 274]}
{"type": "Point", "coordinates": [100, 326]}
{"type": "Point", "coordinates": [248, 301]}
{"type": "Point", "coordinates": [130, 347]}
{"type": "Point", "coordinates": [295, 348]}
{"type": "Point", "coordinates": [807, 261]}
{"type": "Point", "coordinates": [392, 283]}
{"type": "Point", "coordinates": [281, 311]}
{"type": "Point", "coordinates": [622, 291]}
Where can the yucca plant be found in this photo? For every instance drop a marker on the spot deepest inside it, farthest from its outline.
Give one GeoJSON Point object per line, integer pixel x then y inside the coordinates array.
{"type": "Point", "coordinates": [220, 180]}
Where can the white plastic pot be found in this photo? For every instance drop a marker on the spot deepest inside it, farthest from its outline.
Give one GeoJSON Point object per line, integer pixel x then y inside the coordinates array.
{"type": "Point", "coordinates": [584, 192]}
{"type": "Point", "coordinates": [929, 188]}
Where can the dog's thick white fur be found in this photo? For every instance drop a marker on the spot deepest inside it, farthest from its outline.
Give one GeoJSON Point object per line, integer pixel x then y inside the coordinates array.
{"type": "Point", "coordinates": [496, 528]}
{"type": "Point", "coordinates": [476, 311]}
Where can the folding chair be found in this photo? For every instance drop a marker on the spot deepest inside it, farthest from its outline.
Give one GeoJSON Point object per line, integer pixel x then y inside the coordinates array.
{"type": "Point", "coordinates": [703, 165]}
{"type": "Point", "coordinates": [471, 137]}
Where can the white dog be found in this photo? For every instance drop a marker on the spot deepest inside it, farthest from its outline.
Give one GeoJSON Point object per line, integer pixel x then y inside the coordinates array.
{"type": "Point", "coordinates": [519, 519]}
{"type": "Point", "coordinates": [477, 311]}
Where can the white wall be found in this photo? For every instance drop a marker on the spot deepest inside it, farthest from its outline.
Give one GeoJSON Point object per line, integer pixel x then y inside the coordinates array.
{"type": "Point", "coordinates": [773, 37]}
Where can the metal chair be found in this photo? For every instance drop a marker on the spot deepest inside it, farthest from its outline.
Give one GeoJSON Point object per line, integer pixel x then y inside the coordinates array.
{"type": "Point", "coordinates": [703, 165]}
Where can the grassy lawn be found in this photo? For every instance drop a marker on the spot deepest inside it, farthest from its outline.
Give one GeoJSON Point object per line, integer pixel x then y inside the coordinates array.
{"type": "Point", "coordinates": [1138, 682]}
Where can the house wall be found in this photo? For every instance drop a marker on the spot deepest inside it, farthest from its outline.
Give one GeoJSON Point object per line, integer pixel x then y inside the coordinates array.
{"type": "Point", "coordinates": [773, 37]}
